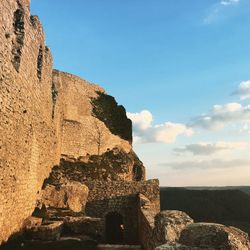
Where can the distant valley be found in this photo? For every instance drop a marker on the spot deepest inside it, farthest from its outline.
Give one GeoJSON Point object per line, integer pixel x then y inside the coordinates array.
{"type": "Point", "coordinates": [225, 205]}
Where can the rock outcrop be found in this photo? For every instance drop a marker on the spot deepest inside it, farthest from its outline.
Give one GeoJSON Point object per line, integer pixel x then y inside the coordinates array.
{"type": "Point", "coordinates": [72, 196]}
{"type": "Point", "coordinates": [209, 236]}
{"type": "Point", "coordinates": [158, 228]}
{"type": "Point", "coordinates": [170, 223]}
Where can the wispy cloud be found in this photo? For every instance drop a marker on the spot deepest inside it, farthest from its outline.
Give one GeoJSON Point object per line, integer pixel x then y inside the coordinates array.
{"type": "Point", "coordinates": [229, 2]}
{"type": "Point", "coordinates": [222, 115]}
{"type": "Point", "coordinates": [243, 90]}
{"type": "Point", "coordinates": [146, 132]}
{"type": "Point", "coordinates": [208, 148]}
{"type": "Point", "coordinates": [207, 164]}
{"type": "Point", "coordinates": [218, 10]}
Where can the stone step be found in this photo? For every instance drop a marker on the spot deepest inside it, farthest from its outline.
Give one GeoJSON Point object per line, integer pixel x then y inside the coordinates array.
{"type": "Point", "coordinates": [118, 247]}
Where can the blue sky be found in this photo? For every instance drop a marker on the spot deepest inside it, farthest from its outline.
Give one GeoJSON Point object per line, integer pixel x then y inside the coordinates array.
{"type": "Point", "coordinates": [174, 59]}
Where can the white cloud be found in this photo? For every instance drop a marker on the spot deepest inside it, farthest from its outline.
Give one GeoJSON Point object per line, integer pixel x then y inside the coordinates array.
{"type": "Point", "coordinates": [142, 120]}
{"type": "Point", "coordinates": [207, 164]}
{"type": "Point", "coordinates": [146, 132]}
{"type": "Point", "coordinates": [229, 2]}
{"type": "Point", "coordinates": [222, 115]}
{"type": "Point", "coordinates": [211, 148]}
{"type": "Point", "coordinates": [243, 90]}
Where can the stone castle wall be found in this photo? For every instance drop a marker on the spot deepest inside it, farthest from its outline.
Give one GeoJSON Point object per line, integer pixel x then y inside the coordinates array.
{"type": "Point", "coordinates": [146, 229]}
{"type": "Point", "coordinates": [28, 141]}
{"type": "Point", "coordinates": [82, 133]}
{"type": "Point", "coordinates": [126, 206]}
{"type": "Point", "coordinates": [100, 190]}
{"type": "Point", "coordinates": [150, 236]}
{"type": "Point", "coordinates": [122, 197]}
{"type": "Point", "coordinates": [43, 114]}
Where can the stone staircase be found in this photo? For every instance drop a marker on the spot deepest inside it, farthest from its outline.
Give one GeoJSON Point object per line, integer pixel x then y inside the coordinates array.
{"type": "Point", "coordinates": [118, 247]}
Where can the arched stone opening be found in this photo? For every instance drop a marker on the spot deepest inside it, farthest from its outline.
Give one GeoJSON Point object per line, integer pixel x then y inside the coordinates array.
{"type": "Point", "coordinates": [137, 173]}
{"type": "Point", "coordinates": [114, 228]}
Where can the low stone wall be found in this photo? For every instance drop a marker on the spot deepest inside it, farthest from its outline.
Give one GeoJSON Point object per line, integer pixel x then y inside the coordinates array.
{"type": "Point", "coordinates": [146, 227]}
{"type": "Point", "coordinates": [121, 197]}
{"type": "Point", "coordinates": [100, 190]}
{"type": "Point", "coordinates": [124, 206]}
{"type": "Point", "coordinates": [87, 226]}
{"type": "Point", "coordinates": [146, 222]}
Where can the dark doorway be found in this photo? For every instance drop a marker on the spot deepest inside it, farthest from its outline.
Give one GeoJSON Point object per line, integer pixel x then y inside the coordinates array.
{"type": "Point", "coordinates": [114, 228]}
{"type": "Point", "coordinates": [137, 173]}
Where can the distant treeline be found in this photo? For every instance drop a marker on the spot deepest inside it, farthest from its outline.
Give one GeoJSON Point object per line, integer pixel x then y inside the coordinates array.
{"type": "Point", "coordinates": [231, 207]}
{"type": "Point", "coordinates": [245, 189]}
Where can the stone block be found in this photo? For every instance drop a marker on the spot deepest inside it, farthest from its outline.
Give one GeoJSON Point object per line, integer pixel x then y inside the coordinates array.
{"type": "Point", "coordinates": [50, 230]}
{"type": "Point", "coordinates": [72, 195]}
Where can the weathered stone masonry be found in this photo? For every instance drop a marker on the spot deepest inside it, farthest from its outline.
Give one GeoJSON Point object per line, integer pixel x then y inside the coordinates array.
{"type": "Point", "coordinates": [43, 114]}
{"type": "Point", "coordinates": [65, 151]}
{"type": "Point", "coordinates": [28, 142]}
{"type": "Point", "coordinates": [122, 197]}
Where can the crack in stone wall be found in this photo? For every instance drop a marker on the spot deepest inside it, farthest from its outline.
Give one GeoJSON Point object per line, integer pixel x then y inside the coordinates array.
{"type": "Point", "coordinates": [40, 63]}
{"type": "Point", "coordinates": [19, 31]}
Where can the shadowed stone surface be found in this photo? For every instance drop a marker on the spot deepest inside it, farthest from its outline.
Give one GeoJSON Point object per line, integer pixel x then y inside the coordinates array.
{"type": "Point", "coordinates": [47, 231]}
{"type": "Point", "coordinates": [83, 226]}
{"type": "Point", "coordinates": [215, 236]}
{"type": "Point", "coordinates": [105, 108]}
{"type": "Point", "coordinates": [177, 246]}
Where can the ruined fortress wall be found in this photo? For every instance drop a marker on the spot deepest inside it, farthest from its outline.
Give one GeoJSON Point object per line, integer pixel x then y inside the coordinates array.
{"type": "Point", "coordinates": [28, 142]}
{"type": "Point", "coordinates": [81, 131]}
{"type": "Point", "coordinates": [126, 206]}
{"type": "Point", "coordinates": [45, 114]}
{"type": "Point", "coordinates": [146, 229]}
{"type": "Point", "coordinates": [149, 234]}
{"type": "Point", "coordinates": [100, 190]}
{"type": "Point", "coordinates": [122, 197]}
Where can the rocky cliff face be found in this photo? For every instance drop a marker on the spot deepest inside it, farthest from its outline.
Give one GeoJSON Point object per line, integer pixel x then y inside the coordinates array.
{"type": "Point", "coordinates": [45, 114]}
